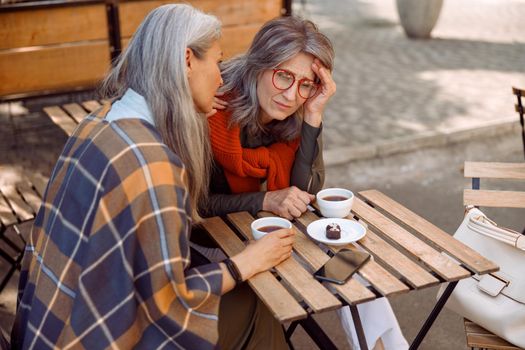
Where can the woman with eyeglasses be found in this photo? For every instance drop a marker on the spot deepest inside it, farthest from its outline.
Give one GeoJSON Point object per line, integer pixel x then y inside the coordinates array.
{"type": "Point", "coordinates": [266, 135]}
{"type": "Point", "coordinates": [266, 138]}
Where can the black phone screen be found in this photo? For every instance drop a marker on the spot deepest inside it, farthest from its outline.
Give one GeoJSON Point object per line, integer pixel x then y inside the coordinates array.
{"type": "Point", "coordinates": [342, 266]}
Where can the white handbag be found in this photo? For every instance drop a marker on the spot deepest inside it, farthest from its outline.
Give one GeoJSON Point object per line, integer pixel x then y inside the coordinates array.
{"type": "Point", "coordinates": [494, 301]}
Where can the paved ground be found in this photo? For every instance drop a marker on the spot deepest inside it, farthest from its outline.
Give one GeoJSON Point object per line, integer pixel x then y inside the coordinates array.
{"type": "Point", "coordinates": [394, 95]}
{"type": "Point", "coordinates": [393, 92]}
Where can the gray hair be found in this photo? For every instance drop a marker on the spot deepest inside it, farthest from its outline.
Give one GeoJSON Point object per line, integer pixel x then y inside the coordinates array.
{"type": "Point", "coordinates": [154, 65]}
{"type": "Point", "coordinates": [277, 41]}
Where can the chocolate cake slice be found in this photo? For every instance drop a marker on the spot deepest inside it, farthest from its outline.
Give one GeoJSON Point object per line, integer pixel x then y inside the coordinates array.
{"type": "Point", "coordinates": [333, 231]}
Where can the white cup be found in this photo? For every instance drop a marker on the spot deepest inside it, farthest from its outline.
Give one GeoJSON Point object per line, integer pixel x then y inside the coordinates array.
{"type": "Point", "coordinates": [335, 202]}
{"type": "Point", "coordinates": [268, 222]}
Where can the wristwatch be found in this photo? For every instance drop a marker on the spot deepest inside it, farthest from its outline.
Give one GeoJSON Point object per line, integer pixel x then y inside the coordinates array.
{"type": "Point", "coordinates": [234, 271]}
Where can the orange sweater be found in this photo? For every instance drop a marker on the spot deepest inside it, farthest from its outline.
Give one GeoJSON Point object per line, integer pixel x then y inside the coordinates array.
{"type": "Point", "coordinates": [244, 168]}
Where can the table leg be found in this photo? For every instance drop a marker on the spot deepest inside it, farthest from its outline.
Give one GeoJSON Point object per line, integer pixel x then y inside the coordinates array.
{"type": "Point", "coordinates": [358, 327]}
{"type": "Point", "coordinates": [289, 332]}
{"type": "Point", "coordinates": [433, 315]}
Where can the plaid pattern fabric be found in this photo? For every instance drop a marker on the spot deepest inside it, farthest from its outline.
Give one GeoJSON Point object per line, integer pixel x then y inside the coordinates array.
{"type": "Point", "coordinates": [106, 265]}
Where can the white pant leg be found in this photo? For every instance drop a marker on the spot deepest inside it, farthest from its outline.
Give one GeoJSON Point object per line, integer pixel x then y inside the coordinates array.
{"type": "Point", "coordinates": [379, 321]}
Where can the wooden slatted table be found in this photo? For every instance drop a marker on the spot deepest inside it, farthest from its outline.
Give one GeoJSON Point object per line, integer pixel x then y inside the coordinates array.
{"type": "Point", "coordinates": [407, 255]}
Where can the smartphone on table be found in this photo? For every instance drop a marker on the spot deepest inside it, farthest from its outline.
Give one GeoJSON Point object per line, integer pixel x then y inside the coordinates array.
{"type": "Point", "coordinates": [342, 266]}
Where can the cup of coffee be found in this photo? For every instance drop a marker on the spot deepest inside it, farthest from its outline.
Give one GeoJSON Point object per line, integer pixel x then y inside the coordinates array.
{"type": "Point", "coordinates": [335, 202]}
{"type": "Point", "coordinates": [263, 226]}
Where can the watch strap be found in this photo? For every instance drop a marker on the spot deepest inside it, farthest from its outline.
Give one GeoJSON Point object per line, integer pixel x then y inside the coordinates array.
{"type": "Point", "coordinates": [234, 271]}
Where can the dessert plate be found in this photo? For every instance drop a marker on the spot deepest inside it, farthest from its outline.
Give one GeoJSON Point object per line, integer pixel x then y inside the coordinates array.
{"type": "Point", "coordinates": [351, 231]}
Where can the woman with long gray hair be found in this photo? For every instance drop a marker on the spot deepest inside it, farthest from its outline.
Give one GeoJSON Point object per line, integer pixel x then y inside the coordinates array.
{"type": "Point", "coordinates": [108, 263]}
{"type": "Point", "coordinates": [267, 146]}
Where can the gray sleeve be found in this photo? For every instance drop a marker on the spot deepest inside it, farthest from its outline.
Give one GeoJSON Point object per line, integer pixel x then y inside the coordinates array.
{"type": "Point", "coordinates": [308, 169]}
{"type": "Point", "coordinates": [222, 204]}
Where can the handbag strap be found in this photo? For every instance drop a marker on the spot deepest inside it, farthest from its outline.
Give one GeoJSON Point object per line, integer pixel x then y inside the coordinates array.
{"type": "Point", "coordinates": [483, 225]}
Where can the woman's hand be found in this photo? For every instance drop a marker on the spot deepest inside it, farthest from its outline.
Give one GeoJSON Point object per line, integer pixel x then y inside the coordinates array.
{"type": "Point", "coordinates": [288, 203]}
{"type": "Point", "coordinates": [269, 251]}
{"type": "Point", "coordinates": [218, 103]}
{"type": "Point", "coordinates": [314, 106]}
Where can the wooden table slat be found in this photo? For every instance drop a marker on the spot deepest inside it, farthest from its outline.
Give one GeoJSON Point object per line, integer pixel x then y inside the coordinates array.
{"type": "Point", "coordinates": [415, 275]}
{"type": "Point", "coordinates": [308, 250]}
{"type": "Point", "coordinates": [352, 291]}
{"type": "Point", "coordinates": [6, 214]}
{"type": "Point", "coordinates": [449, 244]}
{"type": "Point", "coordinates": [280, 302]}
{"type": "Point", "coordinates": [30, 196]}
{"type": "Point", "coordinates": [443, 266]}
{"type": "Point", "coordinates": [91, 105]}
{"type": "Point", "coordinates": [310, 290]}
{"type": "Point", "coordinates": [382, 280]}
{"type": "Point", "coordinates": [61, 118]}
{"type": "Point", "coordinates": [76, 111]}
{"type": "Point", "coordinates": [22, 210]}
{"type": "Point", "coordinates": [39, 182]}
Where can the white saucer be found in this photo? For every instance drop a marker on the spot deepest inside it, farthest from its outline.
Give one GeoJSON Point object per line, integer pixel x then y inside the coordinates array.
{"type": "Point", "coordinates": [351, 231]}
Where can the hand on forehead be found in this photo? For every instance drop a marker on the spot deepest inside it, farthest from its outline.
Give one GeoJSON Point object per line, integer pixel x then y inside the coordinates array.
{"type": "Point", "coordinates": [300, 65]}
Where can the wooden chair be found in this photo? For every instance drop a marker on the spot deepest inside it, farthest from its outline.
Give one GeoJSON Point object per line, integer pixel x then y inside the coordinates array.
{"type": "Point", "coordinates": [19, 204]}
{"type": "Point", "coordinates": [478, 337]}
{"type": "Point", "coordinates": [519, 107]}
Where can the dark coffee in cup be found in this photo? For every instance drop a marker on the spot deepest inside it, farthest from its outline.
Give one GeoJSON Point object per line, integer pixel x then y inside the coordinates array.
{"type": "Point", "coordinates": [335, 198]}
{"type": "Point", "coordinates": [269, 228]}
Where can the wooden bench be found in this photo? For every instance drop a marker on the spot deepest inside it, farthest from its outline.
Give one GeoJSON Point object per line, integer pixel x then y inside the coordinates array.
{"type": "Point", "coordinates": [478, 337]}
{"type": "Point", "coordinates": [61, 46]}
{"type": "Point", "coordinates": [58, 47]}
{"type": "Point", "coordinates": [69, 115]}
{"type": "Point", "coordinates": [19, 203]}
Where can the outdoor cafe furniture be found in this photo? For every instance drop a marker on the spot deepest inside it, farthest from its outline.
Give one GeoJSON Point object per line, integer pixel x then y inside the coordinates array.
{"type": "Point", "coordinates": [478, 337]}
{"type": "Point", "coordinates": [63, 46]}
{"type": "Point", "coordinates": [19, 204]}
{"type": "Point", "coordinates": [407, 255]}
{"type": "Point", "coordinates": [406, 249]}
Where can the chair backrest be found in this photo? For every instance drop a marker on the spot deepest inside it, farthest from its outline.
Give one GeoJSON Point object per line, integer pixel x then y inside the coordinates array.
{"type": "Point", "coordinates": [494, 198]}
{"type": "Point", "coordinates": [520, 93]}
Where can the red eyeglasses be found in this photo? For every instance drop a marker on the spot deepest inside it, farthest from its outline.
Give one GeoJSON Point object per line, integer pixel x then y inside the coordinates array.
{"type": "Point", "coordinates": [283, 79]}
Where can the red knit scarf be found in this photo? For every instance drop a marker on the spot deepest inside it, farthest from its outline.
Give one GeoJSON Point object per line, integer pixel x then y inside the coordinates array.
{"type": "Point", "coordinates": [245, 167]}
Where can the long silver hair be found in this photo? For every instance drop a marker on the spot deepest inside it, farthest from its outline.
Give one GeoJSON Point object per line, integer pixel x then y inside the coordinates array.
{"type": "Point", "coordinates": [277, 41]}
{"type": "Point", "coordinates": [154, 65]}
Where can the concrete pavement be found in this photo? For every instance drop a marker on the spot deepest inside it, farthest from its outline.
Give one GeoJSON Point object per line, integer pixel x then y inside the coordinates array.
{"type": "Point", "coordinates": [395, 94]}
